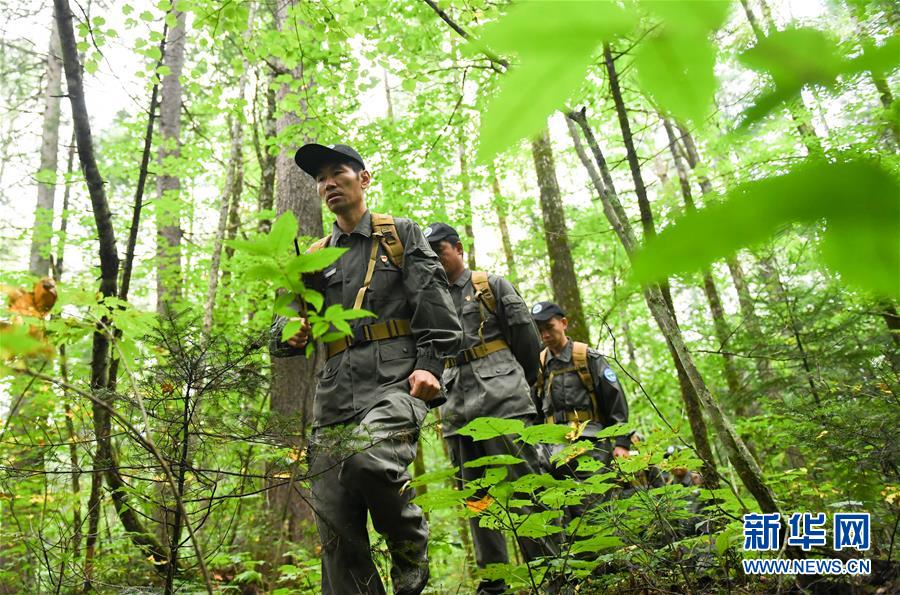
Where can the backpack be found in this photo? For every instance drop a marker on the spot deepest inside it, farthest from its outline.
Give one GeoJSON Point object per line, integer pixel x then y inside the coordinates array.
{"type": "Point", "coordinates": [580, 365]}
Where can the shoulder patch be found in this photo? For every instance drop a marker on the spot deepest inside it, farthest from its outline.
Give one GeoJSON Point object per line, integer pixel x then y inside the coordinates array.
{"type": "Point", "coordinates": [610, 375]}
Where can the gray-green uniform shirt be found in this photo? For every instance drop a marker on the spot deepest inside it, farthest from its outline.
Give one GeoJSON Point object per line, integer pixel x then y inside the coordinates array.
{"type": "Point", "coordinates": [564, 392]}
{"type": "Point", "coordinates": [496, 385]}
{"type": "Point", "coordinates": [354, 380]}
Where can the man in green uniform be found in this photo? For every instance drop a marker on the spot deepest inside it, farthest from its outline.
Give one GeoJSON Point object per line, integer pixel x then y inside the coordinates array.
{"type": "Point", "coordinates": [372, 394]}
{"type": "Point", "coordinates": [576, 386]}
{"type": "Point", "coordinates": [490, 377]}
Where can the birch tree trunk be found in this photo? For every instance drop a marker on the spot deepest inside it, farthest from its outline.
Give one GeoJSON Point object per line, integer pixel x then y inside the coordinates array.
{"type": "Point", "coordinates": [615, 214]}
{"type": "Point", "coordinates": [720, 325]}
{"type": "Point", "coordinates": [39, 261]}
{"type": "Point", "coordinates": [562, 268]}
{"type": "Point", "coordinates": [264, 156]}
{"type": "Point", "coordinates": [745, 299]}
{"type": "Point", "coordinates": [738, 454]}
{"type": "Point", "coordinates": [234, 183]}
{"type": "Point", "coordinates": [168, 183]}
{"type": "Point", "coordinates": [500, 209]}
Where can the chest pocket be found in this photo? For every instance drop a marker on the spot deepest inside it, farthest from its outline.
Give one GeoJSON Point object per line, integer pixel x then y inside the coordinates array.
{"type": "Point", "coordinates": [333, 281]}
{"type": "Point", "coordinates": [387, 279]}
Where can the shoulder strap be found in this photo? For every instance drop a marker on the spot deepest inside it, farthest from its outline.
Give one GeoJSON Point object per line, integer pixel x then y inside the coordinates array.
{"type": "Point", "coordinates": [580, 359]}
{"type": "Point", "coordinates": [319, 244]}
{"type": "Point", "coordinates": [539, 383]}
{"type": "Point", "coordinates": [384, 228]}
{"type": "Point", "coordinates": [483, 290]}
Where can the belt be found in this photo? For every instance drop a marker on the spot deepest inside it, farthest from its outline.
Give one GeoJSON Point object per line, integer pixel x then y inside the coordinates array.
{"type": "Point", "coordinates": [477, 352]}
{"type": "Point", "coordinates": [577, 415]}
{"type": "Point", "coordinates": [378, 331]}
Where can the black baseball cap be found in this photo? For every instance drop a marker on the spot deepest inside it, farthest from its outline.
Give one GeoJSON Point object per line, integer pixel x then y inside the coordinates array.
{"type": "Point", "coordinates": [312, 156]}
{"type": "Point", "coordinates": [437, 232]}
{"type": "Point", "coordinates": [543, 311]}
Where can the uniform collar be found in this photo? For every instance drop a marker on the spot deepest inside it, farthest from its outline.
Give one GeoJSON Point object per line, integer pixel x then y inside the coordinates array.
{"type": "Point", "coordinates": [565, 356]}
{"type": "Point", "coordinates": [463, 279]}
{"type": "Point", "coordinates": [363, 228]}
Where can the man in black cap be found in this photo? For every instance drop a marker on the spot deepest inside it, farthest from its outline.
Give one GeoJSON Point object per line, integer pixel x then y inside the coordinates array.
{"type": "Point", "coordinates": [489, 378]}
{"type": "Point", "coordinates": [578, 387]}
{"type": "Point", "coordinates": [372, 394]}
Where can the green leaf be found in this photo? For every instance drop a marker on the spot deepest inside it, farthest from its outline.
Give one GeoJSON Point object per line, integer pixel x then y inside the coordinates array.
{"type": "Point", "coordinates": [857, 200]}
{"type": "Point", "coordinates": [290, 329]}
{"type": "Point", "coordinates": [443, 498]}
{"type": "Point", "coordinates": [596, 544]}
{"type": "Point", "coordinates": [342, 326]}
{"type": "Point", "coordinates": [146, 16]}
{"type": "Point", "coordinates": [804, 56]}
{"type": "Point", "coordinates": [432, 477]}
{"type": "Point", "coordinates": [315, 261]}
{"type": "Point", "coordinates": [15, 341]}
{"type": "Point", "coordinates": [283, 232]}
{"type": "Point", "coordinates": [283, 301]}
{"type": "Point", "coordinates": [260, 247]}
{"type": "Point", "coordinates": [494, 460]}
{"type": "Point", "coordinates": [264, 272]}
{"type": "Point", "coordinates": [556, 42]}
{"type": "Point", "coordinates": [545, 434]}
{"type": "Point", "coordinates": [354, 313]}
{"type": "Point", "coordinates": [483, 428]}
{"type": "Point", "coordinates": [313, 298]}
{"type": "Point", "coordinates": [539, 524]}
{"type": "Point", "coordinates": [680, 51]}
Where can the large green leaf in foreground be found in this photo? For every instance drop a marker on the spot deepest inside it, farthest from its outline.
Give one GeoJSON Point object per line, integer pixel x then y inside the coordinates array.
{"type": "Point", "coordinates": [859, 202]}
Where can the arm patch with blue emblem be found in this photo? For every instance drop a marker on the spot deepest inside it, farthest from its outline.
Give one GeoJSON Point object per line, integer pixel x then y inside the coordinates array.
{"type": "Point", "coordinates": [610, 375]}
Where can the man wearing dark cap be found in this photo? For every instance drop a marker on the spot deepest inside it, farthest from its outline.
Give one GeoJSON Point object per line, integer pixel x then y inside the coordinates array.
{"type": "Point", "coordinates": [374, 390]}
{"type": "Point", "coordinates": [577, 386]}
{"type": "Point", "coordinates": [490, 377]}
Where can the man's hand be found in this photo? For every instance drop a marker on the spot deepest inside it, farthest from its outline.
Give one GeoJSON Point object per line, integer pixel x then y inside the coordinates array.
{"type": "Point", "coordinates": [424, 385]}
{"type": "Point", "coordinates": [620, 452]}
{"type": "Point", "coordinates": [300, 339]}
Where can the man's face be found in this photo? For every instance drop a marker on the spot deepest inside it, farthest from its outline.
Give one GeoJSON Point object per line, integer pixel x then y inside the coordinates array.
{"type": "Point", "coordinates": [340, 187]}
{"type": "Point", "coordinates": [553, 332]}
{"type": "Point", "coordinates": [451, 256]}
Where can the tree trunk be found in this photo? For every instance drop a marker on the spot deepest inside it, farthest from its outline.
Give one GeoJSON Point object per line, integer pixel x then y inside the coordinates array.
{"type": "Point", "coordinates": [689, 390]}
{"type": "Point", "coordinates": [64, 368]}
{"type": "Point", "coordinates": [745, 300]}
{"type": "Point", "coordinates": [615, 214]}
{"type": "Point", "coordinates": [234, 185]}
{"type": "Point", "coordinates": [467, 201]}
{"type": "Point", "coordinates": [738, 455]}
{"type": "Point", "coordinates": [634, 165]}
{"type": "Point", "coordinates": [500, 210]}
{"type": "Point", "coordinates": [39, 261]}
{"type": "Point", "coordinates": [293, 379]}
{"type": "Point", "coordinates": [770, 274]}
{"type": "Point", "coordinates": [109, 265]}
{"type": "Point", "coordinates": [168, 183]}
{"type": "Point", "coordinates": [720, 325]}
{"type": "Point", "coordinates": [267, 159]}
{"type": "Point", "coordinates": [562, 268]}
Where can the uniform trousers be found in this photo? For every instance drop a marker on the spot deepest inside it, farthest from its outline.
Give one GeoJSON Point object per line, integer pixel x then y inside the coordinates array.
{"type": "Point", "coordinates": [360, 468]}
